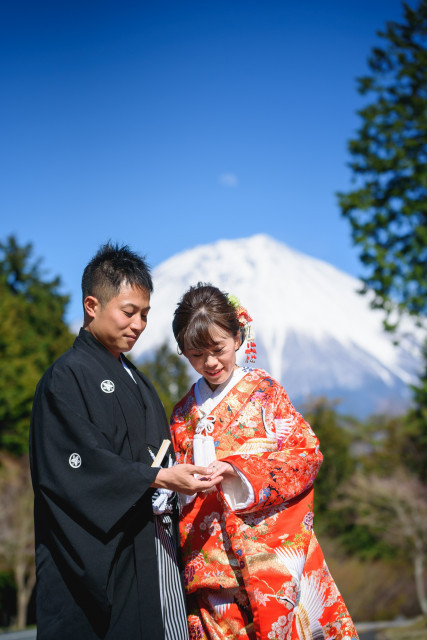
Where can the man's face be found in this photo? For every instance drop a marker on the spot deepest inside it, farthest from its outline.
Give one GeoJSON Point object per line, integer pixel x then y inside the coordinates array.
{"type": "Point", "coordinates": [119, 323]}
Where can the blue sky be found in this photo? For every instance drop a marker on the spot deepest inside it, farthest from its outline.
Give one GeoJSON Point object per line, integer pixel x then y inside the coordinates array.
{"type": "Point", "coordinates": [172, 123]}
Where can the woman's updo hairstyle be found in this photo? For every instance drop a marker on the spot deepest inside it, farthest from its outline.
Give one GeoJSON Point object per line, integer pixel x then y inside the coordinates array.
{"type": "Point", "coordinates": [200, 309]}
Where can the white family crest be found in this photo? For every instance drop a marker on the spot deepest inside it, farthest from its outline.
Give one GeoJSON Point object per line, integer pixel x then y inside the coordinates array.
{"type": "Point", "coordinates": [75, 460]}
{"type": "Point", "coordinates": [107, 386]}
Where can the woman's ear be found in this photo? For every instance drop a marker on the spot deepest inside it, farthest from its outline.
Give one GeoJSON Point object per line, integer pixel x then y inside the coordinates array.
{"type": "Point", "coordinates": [238, 341]}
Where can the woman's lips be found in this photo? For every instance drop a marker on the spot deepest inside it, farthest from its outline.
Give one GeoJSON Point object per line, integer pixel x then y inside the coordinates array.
{"type": "Point", "coordinates": [212, 374]}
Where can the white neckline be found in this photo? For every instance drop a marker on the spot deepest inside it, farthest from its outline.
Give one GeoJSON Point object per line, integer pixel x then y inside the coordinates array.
{"type": "Point", "coordinates": [125, 366]}
{"type": "Point", "coordinates": [207, 400]}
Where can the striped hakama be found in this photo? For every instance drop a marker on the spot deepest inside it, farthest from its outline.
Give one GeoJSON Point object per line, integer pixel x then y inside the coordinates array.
{"type": "Point", "coordinates": [171, 588]}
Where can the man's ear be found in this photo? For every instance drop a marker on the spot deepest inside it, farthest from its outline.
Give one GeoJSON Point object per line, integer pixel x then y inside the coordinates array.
{"type": "Point", "coordinates": [91, 305]}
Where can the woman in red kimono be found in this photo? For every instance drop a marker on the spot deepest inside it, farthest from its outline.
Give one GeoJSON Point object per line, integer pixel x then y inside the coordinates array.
{"type": "Point", "coordinates": [253, 566]}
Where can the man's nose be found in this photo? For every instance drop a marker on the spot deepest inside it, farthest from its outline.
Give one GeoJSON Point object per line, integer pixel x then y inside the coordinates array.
{"type": "Point", "coordinates": [138, 324]}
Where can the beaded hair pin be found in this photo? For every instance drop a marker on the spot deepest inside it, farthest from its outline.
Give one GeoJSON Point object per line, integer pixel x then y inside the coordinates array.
{"type": "Point", "coordinates": [245, 322]}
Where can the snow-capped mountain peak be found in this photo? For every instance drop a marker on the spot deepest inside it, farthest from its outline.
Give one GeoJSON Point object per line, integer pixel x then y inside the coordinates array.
{"type": "Point", "coordinates": [314, 332]}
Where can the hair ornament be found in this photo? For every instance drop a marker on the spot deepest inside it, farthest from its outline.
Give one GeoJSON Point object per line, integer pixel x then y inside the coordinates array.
{"type": "Point", "coordinates": [245, 322]}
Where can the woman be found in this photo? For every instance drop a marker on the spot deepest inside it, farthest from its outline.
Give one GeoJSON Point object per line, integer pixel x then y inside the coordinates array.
{"type": "Point", "coordinates": [253, 566]}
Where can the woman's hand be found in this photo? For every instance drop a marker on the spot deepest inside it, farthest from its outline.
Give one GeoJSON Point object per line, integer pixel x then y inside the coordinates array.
{"type": "Point", "coordinates": [181, 478]}
{"type": "Point", "coordinates": [223, 469]}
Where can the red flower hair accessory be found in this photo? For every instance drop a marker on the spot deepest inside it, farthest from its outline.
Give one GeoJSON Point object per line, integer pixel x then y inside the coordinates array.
{"type": "Point", "coordinates": [245, 322]}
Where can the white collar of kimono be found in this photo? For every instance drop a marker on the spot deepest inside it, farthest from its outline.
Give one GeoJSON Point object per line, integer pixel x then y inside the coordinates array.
{"type": "Point", "coordinates": [127, 369]}
{"type": "Point", "coordinates": [207, 400]}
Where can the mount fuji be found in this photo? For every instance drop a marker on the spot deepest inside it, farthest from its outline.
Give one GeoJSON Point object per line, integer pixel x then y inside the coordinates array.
{"type": "Point", "coordinates": [314, 332]}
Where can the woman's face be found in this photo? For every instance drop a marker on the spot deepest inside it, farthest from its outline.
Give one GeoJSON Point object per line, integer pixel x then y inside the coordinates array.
{"type": "Point", "coordinates": [216, 363]}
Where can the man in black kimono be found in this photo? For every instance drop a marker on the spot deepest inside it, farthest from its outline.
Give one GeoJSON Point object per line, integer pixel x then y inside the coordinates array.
{"type": "Point", "coordinates": [106, 565]}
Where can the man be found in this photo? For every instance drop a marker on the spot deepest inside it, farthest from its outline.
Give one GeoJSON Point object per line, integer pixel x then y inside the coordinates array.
{"type": "Point", "coordinates": [106, 565]}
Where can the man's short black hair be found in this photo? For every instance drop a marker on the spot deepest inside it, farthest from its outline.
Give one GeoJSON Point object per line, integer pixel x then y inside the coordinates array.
{"type": "Point", "coordinates": [110, 268]}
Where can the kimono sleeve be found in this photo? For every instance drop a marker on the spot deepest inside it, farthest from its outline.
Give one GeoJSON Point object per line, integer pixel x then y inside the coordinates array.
{"type": "Point", "coordinates": [75, 467]}
{"type": "Point", "coordinates": [280, 475]}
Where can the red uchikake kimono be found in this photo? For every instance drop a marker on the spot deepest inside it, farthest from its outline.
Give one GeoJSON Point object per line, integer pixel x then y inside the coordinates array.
{"type": "Point", "coordinates": [257, 571]}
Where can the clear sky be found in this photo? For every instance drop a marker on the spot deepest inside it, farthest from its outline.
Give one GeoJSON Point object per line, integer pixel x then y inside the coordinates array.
{"type": "Point", "coordinates": [172, 123]}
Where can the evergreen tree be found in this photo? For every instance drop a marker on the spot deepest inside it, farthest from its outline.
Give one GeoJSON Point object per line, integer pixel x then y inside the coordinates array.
{"type": "Point", "coordinates": [32, 335]}
{"type": "Point", "coordinates": [336, 435]}
{"type": "Point", "coordinates": [346, 445]}
{"type": "Point", "coordinates": [388, 208]}
{"type": "Point", "coordinates": [415, 450]}
{"type": "Point", "coordinates": [335, 439]}
{"type": "Point", "coordinates": [168, 372]}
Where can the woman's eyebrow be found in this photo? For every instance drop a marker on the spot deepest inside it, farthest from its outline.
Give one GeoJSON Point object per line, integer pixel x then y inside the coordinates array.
{"type": "Point", "coordinates": [212, 346]}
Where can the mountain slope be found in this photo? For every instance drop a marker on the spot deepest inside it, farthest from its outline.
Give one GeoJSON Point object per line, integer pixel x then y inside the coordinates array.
{"type": "Point", "coordinates": [314, 332]}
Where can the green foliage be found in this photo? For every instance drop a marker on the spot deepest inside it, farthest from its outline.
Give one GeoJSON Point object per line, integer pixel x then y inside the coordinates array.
{"type": "Point", "coordinates": [387, 209]}
{"type": "Point", "coordinates": [348, 445]}
{"type": "Point", "coordinates": [415, 449]}
{"type": "Point", "coordinates": [32, 335]}
{"type": "Point", "coordinates": [385, 466]}
{"type": "Point", "coordinates": [394, 441]}
{"type": "Point", "coordinates": [168, 372]}
{"type": "Point", "coordinates": [335, 440]}
{"type": "Point", "coordinates": [337, 436]}
{"type": "Point", "coordinates": [384, 443]}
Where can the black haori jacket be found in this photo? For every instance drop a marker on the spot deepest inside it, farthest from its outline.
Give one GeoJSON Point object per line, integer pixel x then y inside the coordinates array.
{"type": "Point", "coordinates": [91, 430]}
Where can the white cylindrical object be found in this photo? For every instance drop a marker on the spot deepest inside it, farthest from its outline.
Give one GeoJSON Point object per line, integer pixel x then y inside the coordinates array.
{"type": "Point", "coordinates": [203, 450]}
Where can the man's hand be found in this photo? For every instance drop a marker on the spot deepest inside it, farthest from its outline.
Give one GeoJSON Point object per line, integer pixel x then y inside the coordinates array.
{"type": "Point", "coordinates": [223, 469]}
{"type": "Point", "coordinates": [181, 478]}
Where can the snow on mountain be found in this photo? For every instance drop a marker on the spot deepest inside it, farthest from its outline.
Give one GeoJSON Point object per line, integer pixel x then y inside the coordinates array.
{"type": "Point", "coordinates": [314, 332]}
